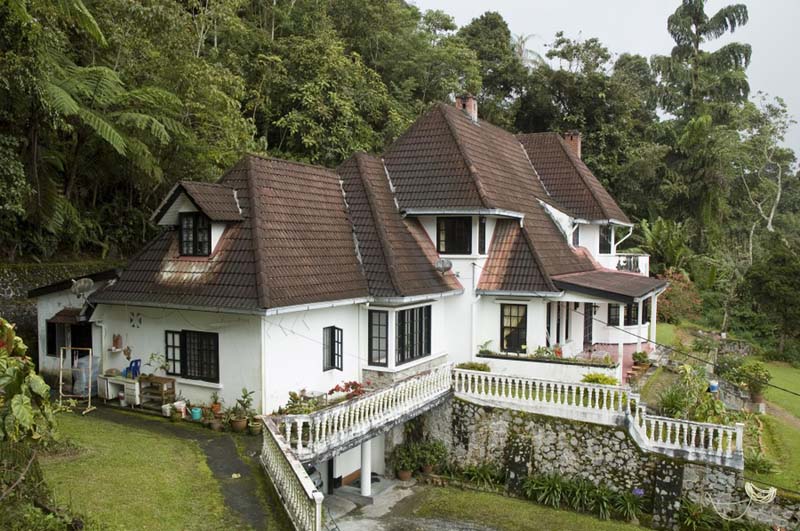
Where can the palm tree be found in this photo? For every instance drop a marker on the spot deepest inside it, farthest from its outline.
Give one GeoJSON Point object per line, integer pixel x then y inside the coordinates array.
{"type": "Point", "coordinates": [528, 58]}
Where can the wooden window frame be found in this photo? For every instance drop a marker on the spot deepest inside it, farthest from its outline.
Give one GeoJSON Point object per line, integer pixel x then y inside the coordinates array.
{"type": "Point", "coordinates": [332, 348]}
{"type": "Point", "coordinates": [208, 369]}
{"type": "Point", "coordinates": [199, 241]}
{"type": "Point", "coordinates": [172, 352]}
{"type": "Point", "coordinates": [454, 226]}
{"type": "Point", "coordinates": [613, 310]}
{"type": "Point", "coordinates": [521, 328]}
{"type": "Point", "coordinates": [378, 320]}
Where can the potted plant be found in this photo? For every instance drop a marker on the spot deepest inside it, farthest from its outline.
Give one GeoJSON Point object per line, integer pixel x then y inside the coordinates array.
{"type": "Point", "coordinates": [255, 425]}
{"type": "Point", "coordinates": [754, 377]}
{"type": "Point", "coordinates": [431, 453]}
{"type": "Point", "coordinates": [405, 460]}
{"type": "Point", "coordinates": [175, 415]}
{"type": "Point", "coordinates": [208, 416]}
{"type": "Point", "coordinates": [216, 403]}
{"type": "Point", "coordinates": [241, 411]}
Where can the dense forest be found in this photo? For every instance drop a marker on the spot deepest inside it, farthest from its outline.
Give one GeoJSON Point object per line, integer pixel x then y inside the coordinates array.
{"type": "Point", "coordinates": [104, 104]}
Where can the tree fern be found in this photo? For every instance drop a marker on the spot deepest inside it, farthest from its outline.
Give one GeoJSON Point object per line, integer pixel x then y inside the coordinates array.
{"type": "Point", "coordinates": [103, 129]}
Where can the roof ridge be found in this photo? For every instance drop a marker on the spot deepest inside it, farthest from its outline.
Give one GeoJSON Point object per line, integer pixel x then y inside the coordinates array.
{"type": "Point", "coordinates": [573, 159]}
{"type": "Point", "coordinates": [470, 165]}
{"type": "Point", "coordinates": [289, 161]}
{"type": "Point", "coordinates": [386, 248]}
{"type": "Point", "coordinates": [256, 237]}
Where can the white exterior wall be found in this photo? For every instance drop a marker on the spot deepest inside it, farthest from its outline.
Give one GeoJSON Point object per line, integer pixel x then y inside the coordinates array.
{"type": "Point", "coordinates": [561, 372]}
{"type": "Point", "coordinates": [294, 357]}
{"type": "Point", "coordinates": [239, 346]}
{"type": "Point", "coordinates": [590, 238]}
{"type": "Point", "coordinates": [47, 306]}
{"type": "Point", "coordinates": [606, 334]}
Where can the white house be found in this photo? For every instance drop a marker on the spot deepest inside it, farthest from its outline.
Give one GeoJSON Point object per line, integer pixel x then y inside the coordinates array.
{"type": "Point", "coordinates": [285, 276]}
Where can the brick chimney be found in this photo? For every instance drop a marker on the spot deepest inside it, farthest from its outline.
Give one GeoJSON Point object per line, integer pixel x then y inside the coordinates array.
{"type": "Point", "coordinates": [573, 138]}
{"type": "Point", "coordinates": [468, 104]}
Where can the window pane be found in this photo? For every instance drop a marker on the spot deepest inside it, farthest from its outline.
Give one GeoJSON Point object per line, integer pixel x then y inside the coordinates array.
{"type": "Point", "coordinates": [378, 353]}
{"type": "Point", "coordinates": [413, 334]}
{"type": "Point", "coordinates": [576, 235]}
{"type": "Point", "coordinates": [605, 239]}
{"type": "Point", "coordinates": [514, 327]}
{"type": "Point", "coordinates": [454, 235]}
{"type": "Point", "coordinates": [482, 235]}
{"type": "Point", "coordinates": [200, 356]}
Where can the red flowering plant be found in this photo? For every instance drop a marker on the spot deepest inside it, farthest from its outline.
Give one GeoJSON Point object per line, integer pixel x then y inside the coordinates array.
{"type": "Point", "coordinates": [351, 389]}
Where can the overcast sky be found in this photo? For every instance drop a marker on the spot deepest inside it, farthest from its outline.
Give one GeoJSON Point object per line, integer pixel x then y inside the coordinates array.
{"type": "Point", "coordinates": [640, 26]}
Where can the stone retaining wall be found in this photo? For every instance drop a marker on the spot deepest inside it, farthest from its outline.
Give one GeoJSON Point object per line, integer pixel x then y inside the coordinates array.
{"type": "Point", "coordinates": [527, 444]}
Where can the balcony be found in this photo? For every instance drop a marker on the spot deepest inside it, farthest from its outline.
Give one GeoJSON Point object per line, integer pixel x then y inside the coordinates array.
{"type": "Point", "coordinates": [632, 263]}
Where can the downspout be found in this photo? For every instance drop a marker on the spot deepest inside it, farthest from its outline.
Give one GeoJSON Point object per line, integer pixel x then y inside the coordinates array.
{"type": "Point", "coordinates": [616, 243]}
{"type": "Point", "coordinates": [473, 314]}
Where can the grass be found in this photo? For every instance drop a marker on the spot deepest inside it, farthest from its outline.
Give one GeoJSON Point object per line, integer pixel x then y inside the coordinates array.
{"type": "Point", "coordinates": [505, 514]}
{"type": "Point", "coordinates": [782, 443]}
{"type": "Point", "coordinates": [667, 334]}
{"type": "Point", "coordinates": [788, 377]}
{"type": "Point", "coordinates": [129, 478]}
{"type": "Point", "coordinates": [656, 384]}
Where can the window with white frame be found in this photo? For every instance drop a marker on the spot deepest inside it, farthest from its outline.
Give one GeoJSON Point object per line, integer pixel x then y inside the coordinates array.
{"type": "Point", "coordinates": [378, 338]}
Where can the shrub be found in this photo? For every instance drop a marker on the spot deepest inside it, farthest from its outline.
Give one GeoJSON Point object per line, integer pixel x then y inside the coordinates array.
{"type": "Point", "coordinates": [603, 502]}
{"type": "Point", "coordinates": [599, 378]}
{"type": "Point", "coordinates": [754, 377]}
{"type": "Point", "coordinates": [640, 357]}
{"type": "Point", "coordinates": [681, 300]}
{"type": "Point", "coordinates": [756, 461]}
{"type": "Point", "coordinates": [485, 475]}
{"type": "Point", "coordinates": [405, 457]}
{"type": "Point", "coordinates": [547, 490]}
{"type": "Point", "coordinates": [474, 366]}
{"type": "Point", "coordinates": [579, 494]}
{"type": "Point", "coordinates": [628, 505]}
{"type": "Point", "coordinates": [673, 401]}
{"type": "Point", "coordinates": [432, 453]}
{"type": "Point", "coordinates": [727, 366]}
{"type": "Point", "coordinates": [696, 517]}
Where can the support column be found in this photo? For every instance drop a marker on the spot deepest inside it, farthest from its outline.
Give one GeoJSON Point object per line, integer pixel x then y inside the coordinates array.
{"type": "Point", "coordinates": [639, 333]}
{"type": "Point", "coordinates": [621, 346]}
{"type": "Point", "coordinates": [366, 468]}
{"type": "Point", "coordinates": [653, 314]}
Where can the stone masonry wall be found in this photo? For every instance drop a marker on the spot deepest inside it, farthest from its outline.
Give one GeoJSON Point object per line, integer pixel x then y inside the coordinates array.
{"type": "Point", "coordinates": [527, 444]}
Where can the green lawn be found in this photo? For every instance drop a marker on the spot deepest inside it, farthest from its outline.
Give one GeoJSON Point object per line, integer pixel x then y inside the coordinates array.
{"type": "Point", "coordinates": [129, 478]}
{"type": "Point", "coordinates": [666, 334]}
{"type": "Point", "coordinates": [506, 514]}
{"type": "Point", "coordinates": [783, 447]}
{"type": "Point", "coordinates": [788, 377]}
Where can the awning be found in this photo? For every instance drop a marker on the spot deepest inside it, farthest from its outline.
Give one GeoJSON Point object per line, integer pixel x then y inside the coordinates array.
{"type": "Point", "coordinates": [614, 285]}
{"type": "Point", "coordinates": [66, 316]}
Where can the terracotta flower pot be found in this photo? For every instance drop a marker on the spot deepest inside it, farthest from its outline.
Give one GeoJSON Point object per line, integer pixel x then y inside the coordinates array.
{"type": "Point", "coordinates": [255, 427]}
{"type": "Point", "coordinates": [427, 469]}
{"type": "Point", "coordinates": [216, 407]}
{"type": "Point", "coordinates": [238, 425]}
{"type": "Point", "coordinates": [404, 475]}
{"type": "Point", "coordinates": [216, 425]}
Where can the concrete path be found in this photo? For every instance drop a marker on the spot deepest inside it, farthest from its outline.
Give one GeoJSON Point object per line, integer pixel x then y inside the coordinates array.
{"type": "Point", "coordinates": [241, 495]}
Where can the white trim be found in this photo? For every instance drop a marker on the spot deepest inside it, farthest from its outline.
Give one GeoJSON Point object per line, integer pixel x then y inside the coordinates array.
{"type": "Point", "coordinates": [501, 212]}
{"type": "Point", "coordinates": [316, 306]}
{"type": "Point", "coordinates": [528, 294]}
{"type": "Point", "coordinates": [379, 301]}
{"type": "Point", "coordinates": [197, 383]}
{"type": "Point", "coordinates": [404, 366]}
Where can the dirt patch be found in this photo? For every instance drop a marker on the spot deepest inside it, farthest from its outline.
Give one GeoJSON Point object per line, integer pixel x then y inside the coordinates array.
{"type": "Point", "coordinates": [783, 415]}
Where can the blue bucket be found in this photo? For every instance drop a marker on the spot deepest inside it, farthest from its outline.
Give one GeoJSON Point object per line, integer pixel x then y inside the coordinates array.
{"type": "Point", "coordinates": [197, 413]}
{"type": "Point", "coordinates": [713, 386]}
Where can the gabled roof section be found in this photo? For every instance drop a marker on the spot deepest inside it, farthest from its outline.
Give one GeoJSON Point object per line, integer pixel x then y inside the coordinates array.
{"type": "Point", "coordinates": [217, 201]}
{"type": "Point", "coordinates": [397, 255]}
{"type": "Point", "coordinates": [295, 246]}
{"type": "Point", "coordinates": [615, 285]}
{"type": "Point", "coordinates": [511, 266]}
{"type": "Point", "coordinates": [568, 179]}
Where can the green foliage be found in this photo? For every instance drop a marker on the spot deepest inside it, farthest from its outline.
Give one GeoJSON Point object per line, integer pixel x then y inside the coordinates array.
{"type": "Point", "coordinates": [474, 366]}
{"type": "Point", "coordinates": [25, 408]}
{"type": "Point", "coordinates": [728, 365]}
{"type": "Point", "coordinates": [667, 243]}
{"type": "Point", "coordinates": [689, 398]}
{"type": "Point", "coordinates": [547, 490]}
{"type": "Point", "coordinates": [484, 475]}
{"type": "Point", "coordinates": [405, 457]}
{"type": "Point", "coordinates": [599, 378]}
{"type": "Point", "coordinates": [640, 357]}
{"type": "Point", "coordinates": [681, 300]}
{"type": "Point", "coordinates": [432, 453]}
{"type": "Point", "coordinates": [753, 376]}
{"type": "Point", "coordinates": [756, 461]}
{"type": "Point", "coordinates": [603, 502]}
{"type": "Point", "coordinates": [627, 505]}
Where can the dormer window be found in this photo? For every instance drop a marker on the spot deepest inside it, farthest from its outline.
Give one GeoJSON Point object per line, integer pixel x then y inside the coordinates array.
{"type": "Point", "coordinates": [195, 234]}
{"type": "Point", "coordinates": [454, 235]}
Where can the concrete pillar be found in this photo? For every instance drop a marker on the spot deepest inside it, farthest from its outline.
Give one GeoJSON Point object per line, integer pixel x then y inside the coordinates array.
{"type": "Point", "coordinates": [639, 333]}
{"type": "Point", "coordinates": [621, 346]}
{"type": "Point", "coordinates": [653, 314]}
{"type": "Point", "coordinates": [366, 468]}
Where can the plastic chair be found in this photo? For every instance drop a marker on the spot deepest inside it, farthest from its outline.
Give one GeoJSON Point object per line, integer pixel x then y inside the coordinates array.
{"type": "Point", "coordinates": [133, 370]}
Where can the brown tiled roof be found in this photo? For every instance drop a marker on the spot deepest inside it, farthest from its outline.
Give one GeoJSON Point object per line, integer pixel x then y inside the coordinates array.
{"type": "Point", "coordinates": [511, 265]}
{"type": "Point", "coordinates": [614, 285]}
{"type": "Point", "coordinates": [567, 178]}
{"type": "Point", "coordinates": [294, 246]}
{"type": "Point", "coordinates": [397, 254]}
{"type": "Point", "coordinates": [217, 201]}
{"type": "Point", "coordinates": [445, 160]}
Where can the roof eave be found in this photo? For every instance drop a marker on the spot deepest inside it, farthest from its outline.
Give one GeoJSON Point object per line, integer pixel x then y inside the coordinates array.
{"type": "Point", "coordinates": [513, 293]}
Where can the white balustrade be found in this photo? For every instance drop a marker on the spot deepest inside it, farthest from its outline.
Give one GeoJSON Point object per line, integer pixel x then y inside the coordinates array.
{"type": "Point", "coordinates": [299, 496]}
{"type": "Point", "coordinates": [311, 435]}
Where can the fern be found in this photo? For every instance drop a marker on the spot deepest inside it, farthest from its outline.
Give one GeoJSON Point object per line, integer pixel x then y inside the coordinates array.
{"type": "Point", "coordinates": [104, 130]}
{"type": "Point", "coordinates": [60, 100]}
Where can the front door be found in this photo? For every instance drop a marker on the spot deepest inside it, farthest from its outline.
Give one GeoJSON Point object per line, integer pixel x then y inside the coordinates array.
{"type": "Point", "coordinates": [588, 316]}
